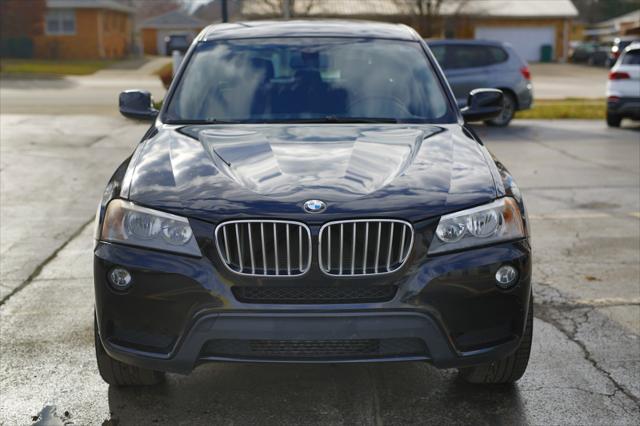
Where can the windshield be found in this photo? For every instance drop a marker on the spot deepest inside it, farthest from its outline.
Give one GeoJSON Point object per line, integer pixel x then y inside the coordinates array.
{"type": "Point", "coordinates": [312, 79]}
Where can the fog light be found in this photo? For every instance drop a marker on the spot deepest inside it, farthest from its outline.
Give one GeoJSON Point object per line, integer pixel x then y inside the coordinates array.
{"type": "Point", "coordinates": [120, 278]}
{"type": "Point", "coordinates": [506, 276]}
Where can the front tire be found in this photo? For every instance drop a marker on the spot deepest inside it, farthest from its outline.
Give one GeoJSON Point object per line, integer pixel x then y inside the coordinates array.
{"type": "Point", "coordinates": [507, 370]}
{"type": "Point", "coordinates": [507, 114]}
{"type": "Point", "coordinates": [118, 373]}
{"type": "Point", "coordinates": [613, 120]}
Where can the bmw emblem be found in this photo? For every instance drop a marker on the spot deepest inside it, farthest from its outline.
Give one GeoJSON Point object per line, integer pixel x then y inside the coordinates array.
{"type": "Point", "coordinates": [314, 206]}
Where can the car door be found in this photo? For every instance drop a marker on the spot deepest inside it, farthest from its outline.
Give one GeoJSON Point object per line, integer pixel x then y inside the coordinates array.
{"type": "Point", "coordinates": [465, 66]}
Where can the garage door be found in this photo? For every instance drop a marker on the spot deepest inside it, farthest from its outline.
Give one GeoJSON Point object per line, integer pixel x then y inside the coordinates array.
{"type": "Point", "coordinates": [162, 48]}
{"type": "Point", "coordinates": [526, 40]}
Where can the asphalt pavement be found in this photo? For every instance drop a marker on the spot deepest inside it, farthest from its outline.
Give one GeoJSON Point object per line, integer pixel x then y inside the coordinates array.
{"type": "Point", "coordinates": [580, 179]}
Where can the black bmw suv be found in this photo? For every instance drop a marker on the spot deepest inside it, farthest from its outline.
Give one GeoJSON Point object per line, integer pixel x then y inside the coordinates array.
{"type": "Point", "coordinates": [310, 192]}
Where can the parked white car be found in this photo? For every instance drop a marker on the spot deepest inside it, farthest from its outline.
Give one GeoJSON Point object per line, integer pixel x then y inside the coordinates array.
{"type": "Point", "coordinates": [623, 87]}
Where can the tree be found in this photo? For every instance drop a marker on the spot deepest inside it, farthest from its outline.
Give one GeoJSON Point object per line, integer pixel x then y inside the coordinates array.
{"type": "Point", "coordinates": [427, 14]}
{"type": "Point", "coordinates": [288, 8]}
{"type": "Point", "coordinates": [592, 11]}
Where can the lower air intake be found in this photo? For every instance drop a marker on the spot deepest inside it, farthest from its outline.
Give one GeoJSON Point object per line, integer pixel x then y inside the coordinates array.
{"type": "Point", "coordinates": [315, 295]}
{"type": "Point", "coordinates": [315, 349]}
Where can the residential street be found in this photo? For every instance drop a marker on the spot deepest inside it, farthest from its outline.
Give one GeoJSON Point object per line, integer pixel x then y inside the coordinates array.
{"type": "Point", "coordinates": [582, 184]}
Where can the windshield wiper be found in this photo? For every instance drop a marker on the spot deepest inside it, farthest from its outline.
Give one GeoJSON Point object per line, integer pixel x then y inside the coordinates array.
{"type": "Point", "coordinates": [313, 120]}
{"type": "Point", "coordinates": [195, 122]}
{"type": "Point", "coordinates": [337, 119]}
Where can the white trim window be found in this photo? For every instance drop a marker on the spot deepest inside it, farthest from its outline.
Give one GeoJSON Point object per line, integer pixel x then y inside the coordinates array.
{"type": "Point", "coordinates": [60, 22]}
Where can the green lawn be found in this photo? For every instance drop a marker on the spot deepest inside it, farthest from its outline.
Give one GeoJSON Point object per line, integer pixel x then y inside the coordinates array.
{"type": "Point", "coordinates": [51, 67]}
{"type": "Point", "coordinates": [566, 108]}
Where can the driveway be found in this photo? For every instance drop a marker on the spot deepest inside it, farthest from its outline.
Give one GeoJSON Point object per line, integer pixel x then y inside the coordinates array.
{"type": "Point", "coordinates": [559, 81]}
{"type": "Point", "coordinates": [582, 184]}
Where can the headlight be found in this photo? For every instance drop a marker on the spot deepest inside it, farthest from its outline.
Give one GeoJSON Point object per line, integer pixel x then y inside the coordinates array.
{"type": "Point", "coordinates": [498, 221]}
{"type": "Point", "coordinates": [127, 223]}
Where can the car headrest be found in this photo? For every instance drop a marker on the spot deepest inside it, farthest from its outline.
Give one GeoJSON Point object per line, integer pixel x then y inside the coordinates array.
{"type": "Point", "coordinates": [263, 65]}
{"type": "Point", "coordinates": [308, 77]}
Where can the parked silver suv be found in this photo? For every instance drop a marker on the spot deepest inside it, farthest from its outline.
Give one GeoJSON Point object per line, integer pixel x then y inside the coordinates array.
{"type": "Point", "coordinates": [471, 64]}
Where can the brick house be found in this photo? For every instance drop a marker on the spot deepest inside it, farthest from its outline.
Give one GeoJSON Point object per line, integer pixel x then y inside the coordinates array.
{"type": "Point", "coordinates": [526, 24]}
{"type": "Point", "coordinates": [73, 29]}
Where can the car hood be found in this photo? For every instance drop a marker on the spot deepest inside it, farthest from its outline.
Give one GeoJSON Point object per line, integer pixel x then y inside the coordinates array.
{"type": "Point", "coordinates": [220, 172]}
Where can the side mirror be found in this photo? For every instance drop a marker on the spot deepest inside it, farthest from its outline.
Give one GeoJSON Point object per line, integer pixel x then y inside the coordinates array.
{"type": "Point", "coordinates": [483, 104]}
{"type": "Point", "coordinates": [137, 104]}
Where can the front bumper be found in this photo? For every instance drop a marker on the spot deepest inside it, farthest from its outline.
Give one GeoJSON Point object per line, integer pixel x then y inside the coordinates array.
{"type": "Point", "coordinates": [181, 312]}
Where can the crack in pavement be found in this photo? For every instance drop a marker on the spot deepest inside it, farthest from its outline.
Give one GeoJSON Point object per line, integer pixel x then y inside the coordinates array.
{"type": "Point", "coordinates": [38, 269]}
{"type": "Point", "coordinates": [576, 388]}
{"type": "Point", "coordinates": [548, 311]}
{"type": "Point", "coordinates": [569, 306]}
{"type": "Point", "coordinates": [584, 160]}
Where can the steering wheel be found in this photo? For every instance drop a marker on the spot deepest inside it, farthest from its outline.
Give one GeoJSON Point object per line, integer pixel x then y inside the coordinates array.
{"type": "Point", "coordinates": [384, 100]}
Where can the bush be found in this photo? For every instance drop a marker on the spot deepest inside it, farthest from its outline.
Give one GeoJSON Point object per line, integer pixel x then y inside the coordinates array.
{"type": "Point", "coordinates": [166, 75]}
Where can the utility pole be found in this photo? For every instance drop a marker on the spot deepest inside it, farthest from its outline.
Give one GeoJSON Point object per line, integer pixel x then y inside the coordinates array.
{"type": "Point", "coordinates": [225, 11]}
{"type": "Point", "coordinates": [286, 9]}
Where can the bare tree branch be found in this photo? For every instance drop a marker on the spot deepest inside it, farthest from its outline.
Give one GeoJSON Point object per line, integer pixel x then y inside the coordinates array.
{"type": "Point", "coordinates": [278, 7]}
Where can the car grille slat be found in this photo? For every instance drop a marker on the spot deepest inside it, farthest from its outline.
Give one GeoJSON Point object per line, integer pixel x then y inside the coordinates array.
{"type": "Point", "coordinates": [264, 252]}
{"type": "Point", "coordinates": [226, 245]}
{"type": "Point", "coordinates": [390, 249]}
{"type": "Point", "coordinates": [300, 248]}
{"type": "Point", "coordinates": [378, 247]}
{"type": "Point", "coordinates": [253, 261]}
{"type": "Point", "coordinates": [404, 238]}
{"type": "Point", "coordinates": [329, 254]}
{"type": "Point", "coordinates": [239, 248]}
{"type": "Point", "coordinates": [288, 253]}
{"type": "Point", "coordinates": [341, 258]}
{"type": "Point", "coordinates": [364, 246]}
{"type": "Point", "coordinates": [275, 244]}
{"type": "Point", "coordinates": [353, 250]}
{"type": "Point", "coordinates": [245, 249]}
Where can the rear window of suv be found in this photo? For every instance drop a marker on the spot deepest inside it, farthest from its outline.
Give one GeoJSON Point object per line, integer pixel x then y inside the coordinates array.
{"type": "Point", "coordinates": [632, 57]}
{"type": "Point", "coordinates": [468, 55]}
